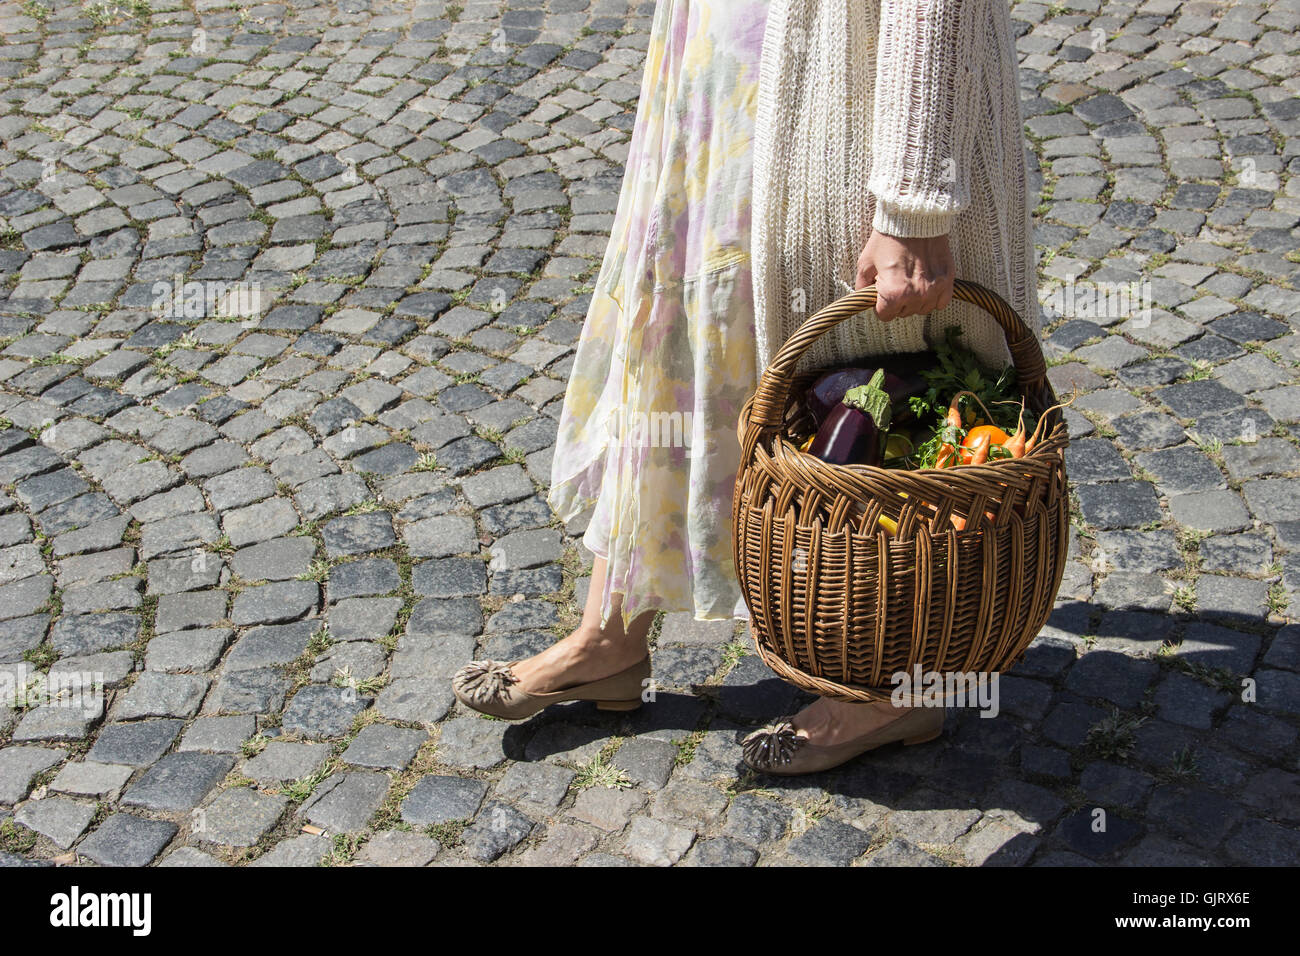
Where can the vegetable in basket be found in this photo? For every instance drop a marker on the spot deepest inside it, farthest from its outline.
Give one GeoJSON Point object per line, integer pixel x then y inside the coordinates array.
{"type": "Point", "coordinates": [988, 442]}
{"type": "Point", "coordinates": [903, 380]}
{"type": "Point", "coordinates": [961, 392]}
{"type": "Point", "coordinates": [979, 443]}
{"type": "Point", "coordinates": [898, 446]}
{"type": "Point", "coordinates": [854, 431]}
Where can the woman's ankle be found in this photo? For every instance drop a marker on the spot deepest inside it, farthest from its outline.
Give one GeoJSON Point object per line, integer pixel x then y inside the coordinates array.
{"type": "Point", "coordinates": [596, 641]}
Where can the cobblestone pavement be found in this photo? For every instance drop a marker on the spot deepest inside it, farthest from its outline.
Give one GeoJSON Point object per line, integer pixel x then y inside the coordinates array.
{"type": "Point", "coordinates": [277, 538]}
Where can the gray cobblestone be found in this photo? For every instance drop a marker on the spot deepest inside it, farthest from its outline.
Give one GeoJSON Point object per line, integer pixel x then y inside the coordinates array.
{"type": "Point", "coordinates": [369, 458]}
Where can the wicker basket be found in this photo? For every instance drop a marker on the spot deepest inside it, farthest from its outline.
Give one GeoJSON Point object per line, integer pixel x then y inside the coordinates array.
{"type": "Point", "coordinates": [837, 604]}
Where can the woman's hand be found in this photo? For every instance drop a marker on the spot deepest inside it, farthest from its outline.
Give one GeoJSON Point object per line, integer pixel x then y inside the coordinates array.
{"type": "Point", "coordinates": [912, 276]}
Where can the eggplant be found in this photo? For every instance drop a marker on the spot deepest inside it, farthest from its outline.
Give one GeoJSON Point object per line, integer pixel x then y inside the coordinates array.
{"type": "Point", "coordinates": [903, 380]}
{"type": "Point", "coordinates": [848, 436]}
{"type": "Point", "coordinates": [828, 391]}
{"type": "Point", "coordinates": [854, 431]}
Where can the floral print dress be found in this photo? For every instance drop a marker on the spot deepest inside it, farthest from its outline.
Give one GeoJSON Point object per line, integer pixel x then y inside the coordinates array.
{"type": "Point", "coordinates": [666, 359]}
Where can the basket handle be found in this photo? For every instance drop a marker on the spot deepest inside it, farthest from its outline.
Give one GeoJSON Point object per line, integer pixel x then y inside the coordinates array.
{"type": "Point", "coordinates": [768, 403]}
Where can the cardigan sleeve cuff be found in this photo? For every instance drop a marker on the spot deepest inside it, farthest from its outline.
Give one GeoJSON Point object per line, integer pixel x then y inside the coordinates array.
{"type": "Point", "coordinates": [895, 220]}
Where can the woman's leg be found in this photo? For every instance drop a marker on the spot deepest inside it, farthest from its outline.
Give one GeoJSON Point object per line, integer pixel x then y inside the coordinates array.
{"type": "Point", "coordinates": [589, 653]}
{"type": "Point", "coordinates": [827, 722]}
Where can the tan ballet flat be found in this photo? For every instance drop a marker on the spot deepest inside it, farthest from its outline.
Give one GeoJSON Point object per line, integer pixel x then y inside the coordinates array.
{"type": "Point", "coordinates": [490, 687]}
{"type": "Point", "coordinates": [778, 749]}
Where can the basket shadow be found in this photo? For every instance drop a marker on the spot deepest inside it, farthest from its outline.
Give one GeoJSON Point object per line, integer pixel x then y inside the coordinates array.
{"type": "Point", "coordinates": [1094, 715]}
{"type": "Point", "coordinates": [1100, 713]}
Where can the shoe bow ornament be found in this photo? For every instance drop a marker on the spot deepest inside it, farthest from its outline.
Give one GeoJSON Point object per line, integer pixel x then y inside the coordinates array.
{"type": "Point", "coordinates": [483, 681]}
{"type": "Point", "coordinates": [772, 746]}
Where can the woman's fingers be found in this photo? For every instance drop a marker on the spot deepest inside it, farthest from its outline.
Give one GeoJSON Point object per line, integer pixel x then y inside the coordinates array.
{"type": "Point", "coordinates": [925, 298]}
{"type": "Point", "coordinates": [901, 296]}
{"type": "Point", "coordinates": [933, 293]}
{"type": "Point", "coordinates": [945, 271]}
{"type": "Point", "coordinates": [912, 276]}
{"type": "Point", "coordinates": [892, 298]}
{"type": "Point", "coordinates": [886, 310]}
{"type": "Point", "coordinates": [866, 274]}
{"type": "Point", "coordinates": [937, 291]}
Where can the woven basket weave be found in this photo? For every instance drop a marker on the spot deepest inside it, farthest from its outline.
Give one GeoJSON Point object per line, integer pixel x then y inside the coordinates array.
{"type": "Point", "coordinates": [838, 605]}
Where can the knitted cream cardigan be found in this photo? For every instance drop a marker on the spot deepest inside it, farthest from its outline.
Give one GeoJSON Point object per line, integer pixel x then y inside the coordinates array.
{"type": "Point", "coordinates": [896, 115]}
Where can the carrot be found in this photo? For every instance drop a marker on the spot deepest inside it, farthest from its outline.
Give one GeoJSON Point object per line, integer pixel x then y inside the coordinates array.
{"type": "Point", "coordinates": [1016, 443]}
{"type": "Point", "coordinates": [951, 433]}
{"type": "Point", "coordinates": [954, 430]}
{"type": "Point", "coordinates": [1038, 434]}
{"type": "Point", "coordinates": [988, 416]}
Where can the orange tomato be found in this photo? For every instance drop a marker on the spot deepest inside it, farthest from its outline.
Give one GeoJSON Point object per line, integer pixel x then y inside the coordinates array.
{"type": "Point", "coordinates": [986, 435]}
